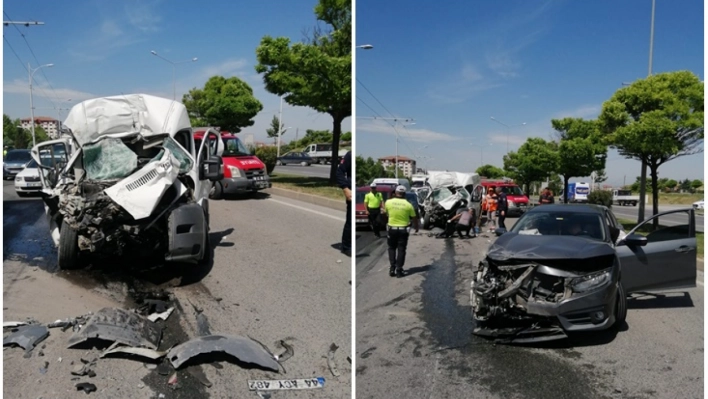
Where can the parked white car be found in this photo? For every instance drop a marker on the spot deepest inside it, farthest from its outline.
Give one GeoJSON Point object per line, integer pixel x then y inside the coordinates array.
{"type": "Point", "coordinates": [27, 180]}
{"type": "Point", "coordinates": [698, 204]}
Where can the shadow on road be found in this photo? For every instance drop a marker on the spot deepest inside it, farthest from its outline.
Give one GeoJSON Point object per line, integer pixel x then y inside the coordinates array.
{"type": "Point", "coordinates": [418, 269]}
{"type": "Point", "coordinates": [259, 195]}
{"type": "Point", "coordinates": [649, 300]}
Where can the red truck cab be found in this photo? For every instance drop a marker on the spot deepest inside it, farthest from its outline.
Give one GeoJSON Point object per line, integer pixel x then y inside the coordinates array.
{"type": "Point", "coordinates": [518, 201]}
{"type": "Point", "coordinates": [243, 171]}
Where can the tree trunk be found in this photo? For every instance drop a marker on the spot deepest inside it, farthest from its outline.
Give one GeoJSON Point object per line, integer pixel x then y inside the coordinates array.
{"type": "Point", "coordinates": [643, 192]}
{"type": "Point", "coordinates": [655, 194]}
{"type": "Point", "coordinates": [565, 189]}
{"type": "Point", "coordinates": [336, 132]}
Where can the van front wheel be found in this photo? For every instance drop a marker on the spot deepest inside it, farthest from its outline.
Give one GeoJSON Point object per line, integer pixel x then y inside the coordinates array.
{"type": "Point", "coordinates": [68, 248]}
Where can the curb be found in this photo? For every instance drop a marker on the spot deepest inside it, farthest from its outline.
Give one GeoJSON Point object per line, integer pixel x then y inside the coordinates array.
{"type": "Point", "coordinates": [339, 205]}
{"type": "Point", "coordinates": [699, 264]}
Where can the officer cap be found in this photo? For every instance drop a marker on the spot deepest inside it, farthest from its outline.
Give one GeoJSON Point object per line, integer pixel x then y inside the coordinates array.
{"type": "Point", "coordinates": [400, 189]}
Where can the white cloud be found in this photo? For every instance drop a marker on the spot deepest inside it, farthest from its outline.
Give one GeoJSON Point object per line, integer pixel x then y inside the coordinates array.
{"type": "Point", "coordinates": [583, 111]}
{"type": "Point", "coordinates": [142, 15]}
{"type": "Point", "coordinates": [407, 133]}
{"type": "Point", "coordinates": [59, 94]}
{"type": "Point", "coordinates": [227, 68]}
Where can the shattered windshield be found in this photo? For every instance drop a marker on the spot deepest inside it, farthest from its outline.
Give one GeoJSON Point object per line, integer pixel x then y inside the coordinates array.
{"type": "Point", "coordinates": [588, 225]}
{"type": "Point", "coordinates": [440, 194]}
{"type": "Point", "coordinates": [185, 162]}
{"type": "Point", "coordinates": [234, 147]}
{"type": "Point", "coordinates": [109, 159]}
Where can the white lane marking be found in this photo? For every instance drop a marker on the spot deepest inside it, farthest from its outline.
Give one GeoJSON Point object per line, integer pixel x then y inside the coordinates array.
{"type": "Point", "coordinates": [308, 210]}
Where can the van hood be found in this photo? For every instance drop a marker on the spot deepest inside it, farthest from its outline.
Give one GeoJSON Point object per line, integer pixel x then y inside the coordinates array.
{"type": "Point", "coordinates": [125, 115]}
{"type": "Point", "coordinates": [517, 198]}
{"type": "Point", "coordinates": [244, 162]}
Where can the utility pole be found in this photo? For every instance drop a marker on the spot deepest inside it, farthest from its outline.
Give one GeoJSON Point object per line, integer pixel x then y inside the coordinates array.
{"type": "Point", "coordinates": [643, 181]}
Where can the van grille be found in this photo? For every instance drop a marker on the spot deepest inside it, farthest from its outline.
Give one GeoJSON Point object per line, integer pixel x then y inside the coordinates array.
{"type": "Point", "coordinates": [250, 174]}
{"type": "Point", "coordinates": [142, 180]}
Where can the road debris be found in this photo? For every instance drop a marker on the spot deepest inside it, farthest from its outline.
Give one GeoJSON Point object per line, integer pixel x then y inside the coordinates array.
{"type": "Point", "coordinates": [11, 324]}
{"type": "Point", "coordinates": [331, 362]}
{"type": "Point", "coordinates": [203, 329]}
{"type": "Point", "coordinates": [119, 325]}
{"type": "Point", "coordinates": [86, 387]}
{"type": "Point", "coordinates": [198, 373]}
{"type": "Point", "coordinates": [142, 352]}
{"type": "Point", "coordinates": [27, 336]}
{"type": "Point", "coordinates": [43, 370]}
{"type": "Point", "coordinates": [289, 352]}
{"type": "Point", "coordinates": [173, 379]}
{"type": "Point", "coordinates": [164, 315]}
{"type": "Point", "coordinates": [275, 385]}
{"type": "Point", "coordinates": [244, 349]}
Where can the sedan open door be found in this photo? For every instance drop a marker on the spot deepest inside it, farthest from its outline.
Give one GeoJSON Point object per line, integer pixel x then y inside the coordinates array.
{"type": "Point", "coordinates": [661, 257]}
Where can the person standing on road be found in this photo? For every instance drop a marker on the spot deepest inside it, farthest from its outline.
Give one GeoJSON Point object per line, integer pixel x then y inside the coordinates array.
{"type": "Point", "coordinates": [491, 201]}
{"type": "Point", "coordinates": [546, 197]}
{"type": "Point", "coordinates": [344, 180]}
{"type": "Point", "coordinates": [502, 207]}
{"type": "Point", "coordinates": [400, 212]}
{"type": "Point", "coordinates": [374, 202]}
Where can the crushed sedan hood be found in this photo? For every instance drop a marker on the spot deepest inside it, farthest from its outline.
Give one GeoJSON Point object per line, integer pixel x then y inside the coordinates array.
{"type": "Point", "coordinates": [125, 115]}
{"type": "Point", "coordinates": [537, 247]}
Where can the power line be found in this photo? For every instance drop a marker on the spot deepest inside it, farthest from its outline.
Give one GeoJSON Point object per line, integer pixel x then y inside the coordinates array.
{"type": "Point", "coordinates": [14, 52]}
{"type": "Point", "coordinates": [383, 106]}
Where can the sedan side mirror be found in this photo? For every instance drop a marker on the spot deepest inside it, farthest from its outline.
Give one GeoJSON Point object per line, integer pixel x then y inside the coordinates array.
{"type": "Point", "coordinates": [635, 240]}
{"type": "Point", "coordinates": [499, 231]}
{"type": "Point", "coordinates": [212, 169]}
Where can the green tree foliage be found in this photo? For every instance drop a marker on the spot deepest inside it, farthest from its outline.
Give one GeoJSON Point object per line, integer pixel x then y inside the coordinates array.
{"type": "Point", "coordinates": [272, 131]}
{"type": "Point", "coordinates": [316, 73]}
{"type": "Point", "coordinates": [269, 156]}
{"type": "Point", "coordinates": [346, 136]}
{"type": "Point", "coordinates": [670, 184]}
{"type": "Point", "coordinates": [600, 197]}
{"type": "Point", "coordinates": [600, 176]}
{"type": "Point", "coordinates": [581, 150]}
{"type": "Point", "coordinates": [490, 172]}
{"type": "Point", "coordinates": [695, 185]}
{"type": "Point", "coordinates": [535, 160]}
{"type": "Point", "coordinates": [369, 169]}
{"type": "Point", "coordinates": [17, 137]}
{"type": "Point", "coordinates": [226, 103]}
{"type": "Point", "coordinates": [655, 120]}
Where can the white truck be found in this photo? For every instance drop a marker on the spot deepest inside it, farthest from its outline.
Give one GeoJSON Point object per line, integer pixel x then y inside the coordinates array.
{"type": "Point", "coordinates": [322, 153]}
{"type": "Point", "coordinates": [624, 197]}
{"type": "Point", "coordinates": [128, 180]}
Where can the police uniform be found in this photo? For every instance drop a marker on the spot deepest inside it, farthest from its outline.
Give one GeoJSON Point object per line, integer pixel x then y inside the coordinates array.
{"type": "Point", "coordinates": [400, 212]}
{"type": "Point", "coordinates": [372, 201]}
{"type": "Point", "coordinates": [344, 174]}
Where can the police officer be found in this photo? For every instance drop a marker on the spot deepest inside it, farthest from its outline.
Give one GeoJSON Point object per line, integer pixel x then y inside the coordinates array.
{"type": "Point", "coordinates": [400, 212]}
{"type": "Point", "coordinates": [374, 202]}
{"type": "Point", "coordinates": [344, 175]}
{"type": "Point", "coordinates": [502, 207]}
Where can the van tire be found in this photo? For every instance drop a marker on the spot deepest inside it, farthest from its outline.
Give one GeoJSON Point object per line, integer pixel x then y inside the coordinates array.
{"type": "Point", "coordinates": [217, 191]}
{"type": "Point", "coordinates": [68, 254]}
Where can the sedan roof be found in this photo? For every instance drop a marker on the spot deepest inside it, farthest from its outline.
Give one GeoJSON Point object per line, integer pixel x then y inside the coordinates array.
{"type": "Point", "coordinates": [575, 208]}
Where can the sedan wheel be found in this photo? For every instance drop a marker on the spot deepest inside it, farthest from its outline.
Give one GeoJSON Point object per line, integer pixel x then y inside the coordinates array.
{"type": "Point", "coordinates": [303, 163]}
{"type": "Point", "coordinates": [620, 306]}
{"type": "Point", "coordinates": [279, 163]}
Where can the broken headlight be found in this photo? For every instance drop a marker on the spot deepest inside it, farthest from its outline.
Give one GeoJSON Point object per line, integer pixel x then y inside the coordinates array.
{"type": "Point", "coordinates": [591, 281]}
{"type": "Point", "coordinates": [235, 172]}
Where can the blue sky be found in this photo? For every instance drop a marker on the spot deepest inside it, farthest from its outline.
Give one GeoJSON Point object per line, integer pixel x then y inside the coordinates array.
{"type": "Point", "coordinates": [102, 48]}
{"type": "Point", "coordinates": [453, 67]}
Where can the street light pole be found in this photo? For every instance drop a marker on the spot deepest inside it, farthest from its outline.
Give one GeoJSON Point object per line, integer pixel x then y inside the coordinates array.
{"type": "Point", "coordinates": [643, 181]}
{"type": "Point", "coordinates": [31, 73]}
{"type": "Point", "coordinates": [507, 130]}
{"type": "Point", "coordinates": [365, 46]}
{"type": "Point", "coordinates": [174, 81]}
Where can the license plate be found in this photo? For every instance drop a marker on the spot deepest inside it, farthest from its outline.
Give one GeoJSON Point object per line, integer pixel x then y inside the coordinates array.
{"type": "Point", "coordinates": [261, 184]}
{"type": "Point", "coordinates": [274, 385]}
{"type": "Point", "coordinates": [362, 220]}
{"type": "Point", "coordinates": [34, 184]}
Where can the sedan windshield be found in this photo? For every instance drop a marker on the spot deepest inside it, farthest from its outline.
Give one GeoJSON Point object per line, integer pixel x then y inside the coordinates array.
{"type": "Point", "coordinates": [18, 156]}
{"type": "Point", "coordinates": [234, 147]}
{"type": "Point", "coordinates": [31, 165]}
{"type": "Point", "coordinates": [588, 225]}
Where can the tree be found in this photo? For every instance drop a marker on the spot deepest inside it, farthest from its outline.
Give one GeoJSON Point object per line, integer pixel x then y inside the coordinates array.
{"type": "Point", "coordinates": [490, 171]}
{"type": "Point", "coordinates": [600, 176]}
{"type": "Point", "coordinates": [346, 136]}
{"type": "Point", "coordinates": [226, 103]}
{"type": "Point", "coordinates": [695, 185]}
{"type": "Point", "coordinates": [671, 184]}
{"type": "Point", "coordinates": [535, 161]}
{"type": "Point", "coordinates": [10, 130]}
{"type": "Point", "coordinates": [317, 73]}
{"type": "Point", "coordinates": [655, 120]}
{"type": "Point", "coordinates": [272, 131]}
{"type": "Point", "coordinates": [686, 185]}
{"type": "Point", "coordinates": [580, 151]}
{"type": "Point", "coordinates": [367, 170]}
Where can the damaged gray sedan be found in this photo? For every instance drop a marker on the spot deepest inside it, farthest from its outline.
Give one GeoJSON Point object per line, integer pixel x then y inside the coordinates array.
{"type": "Point", "coordinates": [128, 179]}
{"type": "Point", "coordinates": [570, 268]}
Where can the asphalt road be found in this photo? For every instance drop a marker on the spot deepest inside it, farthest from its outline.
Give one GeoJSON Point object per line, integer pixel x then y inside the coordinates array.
{"type": "Point", "coordinates": [276, 275]}
{"type": "Point", "coordinates": [413, 337]}
{"type": "Point", "coordinates": [632, 212]}
{"type": "Point", "coordinates": [314, 170]}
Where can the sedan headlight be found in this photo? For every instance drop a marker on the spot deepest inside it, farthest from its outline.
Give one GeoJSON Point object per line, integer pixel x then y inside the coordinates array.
{"type": "Point", "coordinates": [235, 172]}
{"type": "Point", "coordinates": [18, 179]}
{"type": "Point", "coordinates": [591, 281]}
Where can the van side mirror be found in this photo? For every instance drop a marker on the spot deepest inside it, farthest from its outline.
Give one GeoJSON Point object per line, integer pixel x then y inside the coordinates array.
{"type": "Point", "coordinates": [212, 169]}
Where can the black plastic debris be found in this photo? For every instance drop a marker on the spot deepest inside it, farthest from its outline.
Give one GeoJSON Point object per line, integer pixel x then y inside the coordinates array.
{"type": "Point", "coordinates": [289, 352]}
{"type": "Point", "coordinates": [119, 325]}
{"type": "Point", "coordinates": [244, 349]}
{"type": "Point", "coordinates": [27, 337]}
{"type": "Point", "coordinates": [331, 361]}
{"type": "Point", "coordinates": [86, 387]}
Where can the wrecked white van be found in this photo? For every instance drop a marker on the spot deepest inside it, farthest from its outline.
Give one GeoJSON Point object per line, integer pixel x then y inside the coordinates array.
{"type": "Point", "coordinates": [127, 179]}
